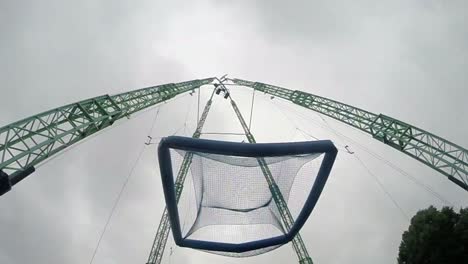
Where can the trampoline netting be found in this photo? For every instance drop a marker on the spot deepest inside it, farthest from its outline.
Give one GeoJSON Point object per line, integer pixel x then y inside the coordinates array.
{"type": "Point", "coordinates": [226, 200]}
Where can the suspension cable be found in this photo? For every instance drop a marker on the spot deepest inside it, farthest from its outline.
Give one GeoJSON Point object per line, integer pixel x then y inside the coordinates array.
{"type": "Point", "coordinates": [251, 109]}
{"type": "Point", "coordinates": [198, 107]}
{"type": "Point", "coordinates": [401, 171]}
{"type": "Point", "coordinates": [382, 187]}
{"type": "Point", "coordinates": [390, 164]}
{"type": "Point", "coordinates": [117, 124]}
{"type": "Point", "coordinates": [369, 172]}
{"type": "Point", "coordinates": [116, 202]}
{"type": "Point", "coordinates": [119, 195]}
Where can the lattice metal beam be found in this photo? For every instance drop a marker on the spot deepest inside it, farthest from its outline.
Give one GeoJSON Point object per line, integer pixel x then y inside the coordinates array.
{"type": "Point", "coordinates": [288, 220]}
{"type": "Point", "coordinates": [160, 240]}
{"type": "Point", "coordinates": [440, 154]}
{"type": "Point", "coordinates": [26, 143]}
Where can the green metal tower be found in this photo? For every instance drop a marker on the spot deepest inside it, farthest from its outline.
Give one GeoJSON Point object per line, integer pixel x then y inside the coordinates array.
{"type": "Point", "coordinates": [162, 234]}
{"type": "Point", "coordinates": [26, 143]}
{"type": "Point", "coordinates": [286, 217]}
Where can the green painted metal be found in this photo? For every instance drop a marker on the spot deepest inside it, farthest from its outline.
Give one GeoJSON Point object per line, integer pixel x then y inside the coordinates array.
{"type": "Point", "coordinates": [160, 240]}
{"type": "Point", "coordinates": [288, 220]}
{"type": "Point", "coordinates": [26, 143]}
{"type": "Point", "coordinates": [440, 154]}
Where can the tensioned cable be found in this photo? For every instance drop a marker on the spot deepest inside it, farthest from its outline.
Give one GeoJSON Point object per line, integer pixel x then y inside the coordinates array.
{"type": "Point", "coordinates": [137, 114]}
{"type": "Point", "coordinates": [223, 133]}
{"type": "Point", "coordinates": [198, 108]}
{"type": "Point", "coordinates": [365, 167]}
{"type": "Point", "coordinates": [117, 124]}
{"type": "Point", "coordinates": [171, 252]}
{"type": "Point", "coordinates": [187, 208]}
{"type": "Point", "coordinates": [184, 124]}
{"type": "Point", "coordinates": [119, 196]}
{"type": "Point", "coordinates": [187, 115]}
{"type": "Point", "coordinates": [154, 120]}
{"type": "Point", "coordinates": [116, 203]}
{"type": "Point", "coordinates": [375, 155]}
{"type": "Point", "coordinates": [382, 187]}
{"type": "Point", "coordinates": [251, 108]}
{"type": "Point", "coordinates": [401, 171]}
{"type": "Point", "coordinates": [304, 133]}
{"type": "Point", "coordinates": [393, 166]}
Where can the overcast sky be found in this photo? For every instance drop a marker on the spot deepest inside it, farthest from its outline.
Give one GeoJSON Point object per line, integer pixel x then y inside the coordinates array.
{"type": "Point", "coordinates": [406, 59]}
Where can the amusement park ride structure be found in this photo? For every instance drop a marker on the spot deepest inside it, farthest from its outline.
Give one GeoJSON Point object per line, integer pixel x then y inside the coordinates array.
{"type": "Point", "coordinates": [26, 143]}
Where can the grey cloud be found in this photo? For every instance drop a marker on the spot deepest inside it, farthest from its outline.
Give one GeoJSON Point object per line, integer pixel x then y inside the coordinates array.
{"type": "Point", "coordinates": [404, 59]}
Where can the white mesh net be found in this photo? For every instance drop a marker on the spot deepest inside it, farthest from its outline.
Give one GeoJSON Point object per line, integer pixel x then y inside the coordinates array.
{"type": "Point", "coordinates": [227, 198]}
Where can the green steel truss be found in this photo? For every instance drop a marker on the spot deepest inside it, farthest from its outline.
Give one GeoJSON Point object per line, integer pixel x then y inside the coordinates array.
{"type": "Point", "coordinates": [286, 217]}
{"type": "Point", "coordinates": [28, 142]}
{"type": "Point", "coordinates": [441, 155]}
{"type": "Point", "coordinates": [159, 244]}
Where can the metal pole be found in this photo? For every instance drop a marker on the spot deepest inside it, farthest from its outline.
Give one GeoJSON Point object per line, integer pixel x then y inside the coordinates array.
{"type": "Point", "coordinates": [160, 240]}
{"type": "Point", "coordinates": [288, 221]}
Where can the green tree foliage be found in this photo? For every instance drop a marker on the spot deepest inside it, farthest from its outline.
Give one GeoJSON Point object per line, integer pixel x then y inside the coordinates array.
{"type": "Point", "coordinates": [436, 237]}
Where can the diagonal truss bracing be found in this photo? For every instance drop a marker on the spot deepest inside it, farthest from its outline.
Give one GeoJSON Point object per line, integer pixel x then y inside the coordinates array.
{"type": "Point", "coordinates": [160, 240]}
{"type": "Point", "coordinates": [28, 142]}
{"type": "Point", "coordinates": [286, 217]}
{"type": "Point", "coordinates": [440, 154]}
